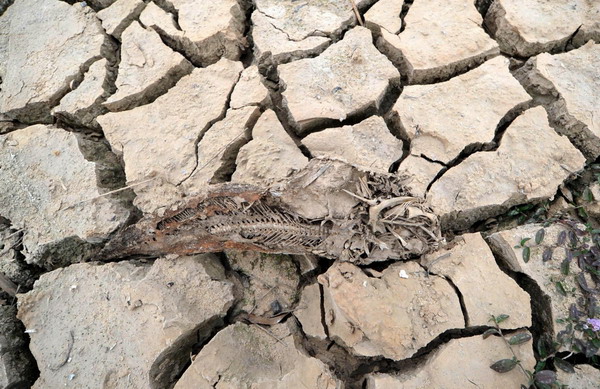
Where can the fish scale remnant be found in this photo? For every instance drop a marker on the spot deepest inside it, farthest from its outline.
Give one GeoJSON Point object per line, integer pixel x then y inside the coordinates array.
{"type": "Point", "coordinates": [244, 217]}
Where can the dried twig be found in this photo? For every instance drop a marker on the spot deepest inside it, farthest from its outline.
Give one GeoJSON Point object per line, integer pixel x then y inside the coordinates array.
{"type": "Point", "coordinates": [67, 354]}
{"type": "Point", "coordinates": [266, 331]}
{"type": "Point", "coordinates": [5, 251]}
{"type": "Point", "coordinates": [7, 285]}
{"type": "Point", "coordinates": [154, 178]}
{"type": "Point", "coordinates": [363, 199]}
{"type": "Point", "coordinates": [264, 320]}
{"type": "Point", "coordinates": [14, 233]}
{"type": "Point", "coordinates": [262, 297]}
{"type": "Point", "coordinates": [355, 8]}
{"type": "Point", "coordinates": [316, 175]}
{"type": "Point", "coordinates": [111, 192]}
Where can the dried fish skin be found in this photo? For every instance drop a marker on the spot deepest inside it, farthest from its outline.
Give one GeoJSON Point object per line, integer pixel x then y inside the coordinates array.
{"type": "Point", "coordinates": [387, 223]}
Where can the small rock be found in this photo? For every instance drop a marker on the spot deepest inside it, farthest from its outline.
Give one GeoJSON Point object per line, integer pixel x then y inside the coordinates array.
{"type": "Point", "coordinates": [81, 106]}
{"type": "Point", "coordinates": [97, 4]}
{"type": "Point", "coordinates": [441, 39]}
{"type": "Point", "coordinates": [270, 156]}
{"type": "Point", "coordinates": [526, 29]}
{"type": "Point", "coordinates": [421, 173]}
{"type": "Point", "coordinates": [486, 290]}
{"type": "Point", "coordinates": [17, 366]}
{"type": "Point", "coordinates": [543, 274]}
{"type": "Point", "coordinates": [159, 139]}
{"type": "Point", "coordinates": [354, 304]}
{"type": "Point", "coordinates": [45, 187]}
{"type": "Point", "coordinates": [269, 278]}
{"type": "Point", "coordinates": [290, 30]}
{"type": "Point", "coordinates": [147, 69]}
{"type": "Point", "coordinates": [385, 14]}
{"type": "Point", "coordinates": [530, 164]}
{"type": "Point", "coordinates": [350, 76]}
{"type": "Point", "coordinates": [309, 312]}
{"type": "Point", "coordinates": [472, 357]}
{"type": "Point", "coordinates": [48, 43]}
{"type": "Point", "coordinates": [585, 377]}
{"type": "Point", "coordinates": [246, 356]}
{"type": "Point", "coordinates": [134, 324]}
{"type": "Point", "coordinates": [368, 145]}
{"type": "Point", "coordinates": [467, 108]}
{"type": "Point", "coordinates": [119, 15]}
{"type": "Point", "coordinates": [573, 77]}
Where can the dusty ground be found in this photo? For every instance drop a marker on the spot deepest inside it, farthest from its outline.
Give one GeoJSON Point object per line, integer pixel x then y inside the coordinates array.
{"type": "Point", "coordinates": [426, 164]}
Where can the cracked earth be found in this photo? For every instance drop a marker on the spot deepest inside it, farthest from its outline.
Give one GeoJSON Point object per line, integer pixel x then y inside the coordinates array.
{"type": "Point", "coordinates": [468, 125]}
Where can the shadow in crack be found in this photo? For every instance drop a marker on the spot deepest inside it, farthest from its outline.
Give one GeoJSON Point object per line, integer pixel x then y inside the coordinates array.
{"type": "Point", "coordinates": [541, 314]}
{"type": "Point", "coordinates": [168, 368]}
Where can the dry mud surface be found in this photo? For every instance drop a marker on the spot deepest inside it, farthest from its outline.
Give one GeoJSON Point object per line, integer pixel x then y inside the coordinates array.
{"type": "Point", "coordinates": [299, 194]}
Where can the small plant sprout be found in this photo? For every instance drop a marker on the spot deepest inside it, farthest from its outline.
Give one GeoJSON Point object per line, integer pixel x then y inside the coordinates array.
{"type": "Point", "coordinates": [577, 278]}
{"type": "Point", "coordinates": [526, 253]}
{"type": "Point", "coordinates": [540, 379]}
